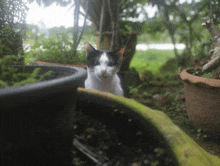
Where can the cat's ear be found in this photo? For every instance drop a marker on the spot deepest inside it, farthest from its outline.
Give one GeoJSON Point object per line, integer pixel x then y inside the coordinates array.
{"type": "Point", "coordinates": [120, 52]}
{"type": "Point", "coordinates": [89, 48]}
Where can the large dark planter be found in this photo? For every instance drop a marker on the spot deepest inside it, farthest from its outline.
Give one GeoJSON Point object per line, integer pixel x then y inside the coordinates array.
{"type": "Point", "coordinates": [202, 97]}
{"type": "Point", "coordinates": [155, 123]}
{"type": "Point", "coordinates": [39, 113]}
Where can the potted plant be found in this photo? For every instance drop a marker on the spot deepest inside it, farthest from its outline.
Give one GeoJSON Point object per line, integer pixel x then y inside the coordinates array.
{"type": "Point", "coordinates": [202, 94]}
{"type": "Point", "coordinates": [39, 113]}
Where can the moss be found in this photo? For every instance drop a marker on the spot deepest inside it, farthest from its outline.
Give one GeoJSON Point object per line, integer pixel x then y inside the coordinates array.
{"type": "Point", "coordinates": [3, 84]}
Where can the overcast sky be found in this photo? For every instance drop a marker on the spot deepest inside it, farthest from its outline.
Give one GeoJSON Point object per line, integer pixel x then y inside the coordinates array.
{"type": "Point", "coordinates": [55, 16]}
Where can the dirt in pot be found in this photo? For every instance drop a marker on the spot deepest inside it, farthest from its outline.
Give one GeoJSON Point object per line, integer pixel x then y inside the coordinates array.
{"type": "Point", "coordinates": [198, 72]}
{"type": "Point", "coordinates": [107, 136]}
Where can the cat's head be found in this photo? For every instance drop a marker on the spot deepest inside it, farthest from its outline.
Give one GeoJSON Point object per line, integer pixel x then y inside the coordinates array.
{"type": "Point", "coordinates": [103, 64]}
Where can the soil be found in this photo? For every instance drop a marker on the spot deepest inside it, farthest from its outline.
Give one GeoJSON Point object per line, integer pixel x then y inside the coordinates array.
{"type": "Point", "coordinates": [109, 137]}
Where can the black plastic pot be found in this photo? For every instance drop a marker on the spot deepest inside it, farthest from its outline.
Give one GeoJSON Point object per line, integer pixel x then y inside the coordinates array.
{"type": "Point", "coordinates": [39, 113]}
{"type": "Point", "coordinates": [57, 87]}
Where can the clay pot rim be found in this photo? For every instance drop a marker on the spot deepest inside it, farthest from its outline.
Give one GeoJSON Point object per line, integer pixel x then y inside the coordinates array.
{"type": "Point", "coordinates": [189, 78]}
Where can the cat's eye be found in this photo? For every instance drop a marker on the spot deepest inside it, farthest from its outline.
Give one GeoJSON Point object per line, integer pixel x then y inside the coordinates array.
{"type": "Point", "coordinates": [110, 64]}
{"type": "Point", "coordinates": [97, 63]}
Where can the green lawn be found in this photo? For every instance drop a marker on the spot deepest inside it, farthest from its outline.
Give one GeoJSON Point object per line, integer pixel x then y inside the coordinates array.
{"type": "Point", "coordinates": [151, 59]}
{"type": "Point", "coordinates": [29, 42]}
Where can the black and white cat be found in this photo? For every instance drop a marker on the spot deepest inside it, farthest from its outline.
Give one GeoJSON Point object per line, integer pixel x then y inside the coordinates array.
{"type": "Point", "coordinates": [102, 68]}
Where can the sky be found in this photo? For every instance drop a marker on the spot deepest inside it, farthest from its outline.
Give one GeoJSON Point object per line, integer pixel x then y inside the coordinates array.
{"type": "Point", "coordinates": [56, 16]}
{"type": "Point", "coordinates": [53, 16]}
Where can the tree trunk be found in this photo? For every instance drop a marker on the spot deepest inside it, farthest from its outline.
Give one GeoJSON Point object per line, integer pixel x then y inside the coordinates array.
{"type": "Point", "coordinates": [101, 24]}
{"type": "Point", "coordinates": [171, 31]}
{"type": "Point", "coordinates": [215, 58]}
{"type": "Point", "coordinates": [76, 25]}
{"type": "Point", "coordinates": [131, 42]}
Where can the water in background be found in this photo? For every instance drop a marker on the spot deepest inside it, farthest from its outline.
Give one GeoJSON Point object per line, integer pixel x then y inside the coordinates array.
{"type": "Point", "coordinates": [161, 46]}
{"type": "Point", "coordinates": [143, 47]}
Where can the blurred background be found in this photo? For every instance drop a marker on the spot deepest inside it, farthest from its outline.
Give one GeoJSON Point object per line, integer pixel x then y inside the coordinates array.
{"type": "Point", "coordinates": [161, 31]}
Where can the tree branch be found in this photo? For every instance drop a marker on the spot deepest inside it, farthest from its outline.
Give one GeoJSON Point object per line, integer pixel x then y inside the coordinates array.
{"type": "Point", "coordinates": [76, 24]}
{"type": "Point", "coordinates": [113, 25]}
{"type": "Point", "coordinates": [212, 30]}
{"type": "Point", "coordinates": [84, 24]}
{"type": "Point", "coordinates": [211, 65]}
{"type": "Point", "coordinates": [215, 62]}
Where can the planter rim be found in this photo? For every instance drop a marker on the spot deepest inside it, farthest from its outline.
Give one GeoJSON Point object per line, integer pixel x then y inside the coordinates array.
{"type": "Point", "coordinates": [189, 78]}
{"type": "Point", "coordinates": [43, 88]}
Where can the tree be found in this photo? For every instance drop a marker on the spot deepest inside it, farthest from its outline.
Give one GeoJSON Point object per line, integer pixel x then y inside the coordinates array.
{"type": "Point", "coordinates": [213, 16]}
{"type": "Point", "coordinates": [12, 27]}
{"type": "Point", "coordinates": [183, 20]}
{"type": "Point", "coordinates": [75, 3]}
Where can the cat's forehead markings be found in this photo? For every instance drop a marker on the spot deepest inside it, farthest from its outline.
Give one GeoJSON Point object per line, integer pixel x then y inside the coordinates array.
{"type": "Point", "coordinates": [104, 58]}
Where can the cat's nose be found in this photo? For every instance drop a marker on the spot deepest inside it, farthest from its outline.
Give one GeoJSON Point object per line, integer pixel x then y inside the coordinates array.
{"type": "Point", "coordinates": [103, 71]}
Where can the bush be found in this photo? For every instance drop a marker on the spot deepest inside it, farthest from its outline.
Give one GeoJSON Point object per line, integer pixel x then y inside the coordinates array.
{"type": "Point", "coordinates": [12, 28]}
{"type": "Point", "coordinates": [169, 66]}
{"type": "Point", "coordinates": [56, 51]}
{"type": "Point", "coordinates": [16, 76]}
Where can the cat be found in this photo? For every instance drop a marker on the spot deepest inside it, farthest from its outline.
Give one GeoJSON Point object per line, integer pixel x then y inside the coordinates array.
{"type": "Point", "coordinates": [102, 69]}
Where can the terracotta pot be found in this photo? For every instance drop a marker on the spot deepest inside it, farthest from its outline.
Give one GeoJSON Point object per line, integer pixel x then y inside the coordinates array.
{"type": "Point", "coordinates": [202, 97]}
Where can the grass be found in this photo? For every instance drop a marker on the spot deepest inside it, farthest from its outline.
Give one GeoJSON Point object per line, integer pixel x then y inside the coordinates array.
{"type": "Point", "coordinates": [151, 59]}
{"type": "Point", "coordinates": [32, 42]}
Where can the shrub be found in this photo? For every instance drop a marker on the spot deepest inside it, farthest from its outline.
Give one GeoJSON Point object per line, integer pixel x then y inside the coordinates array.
{"type": "Point", "coordinates": [12, 28]}
{"type": "Point", "coordinates": [14, 76]}
{"type": "Point", "coordinates": [57, 51]}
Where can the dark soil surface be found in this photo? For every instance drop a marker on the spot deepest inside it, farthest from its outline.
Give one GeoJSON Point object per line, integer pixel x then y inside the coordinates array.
{"type": "Point", "coordinates": [109, 137]}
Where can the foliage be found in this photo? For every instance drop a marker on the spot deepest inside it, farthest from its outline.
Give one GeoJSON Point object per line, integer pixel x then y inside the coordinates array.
{"type": "Point", "coordinates": [169, 66]}
{"type": "Point", "coordinates": [57, 50]}
{"type": "Point", "coordinates": [32, 33]}
{"type": "Point", "coordinates": [12, 27]}
{"type": "Point", "coordinates": [182, 21]}
{"type": "Point", "coordinates": [152, 38]}
{"type": "Point", "coordinates": [146, 75]}
{"type": "Point", "coordinates": [14, 76]}
{"type": "Point", "coordinates": [211, 11]}
{"type": "Point", "coordinates": [197, 71]}
{"type": "Point", "coordinates": [76, 35]}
